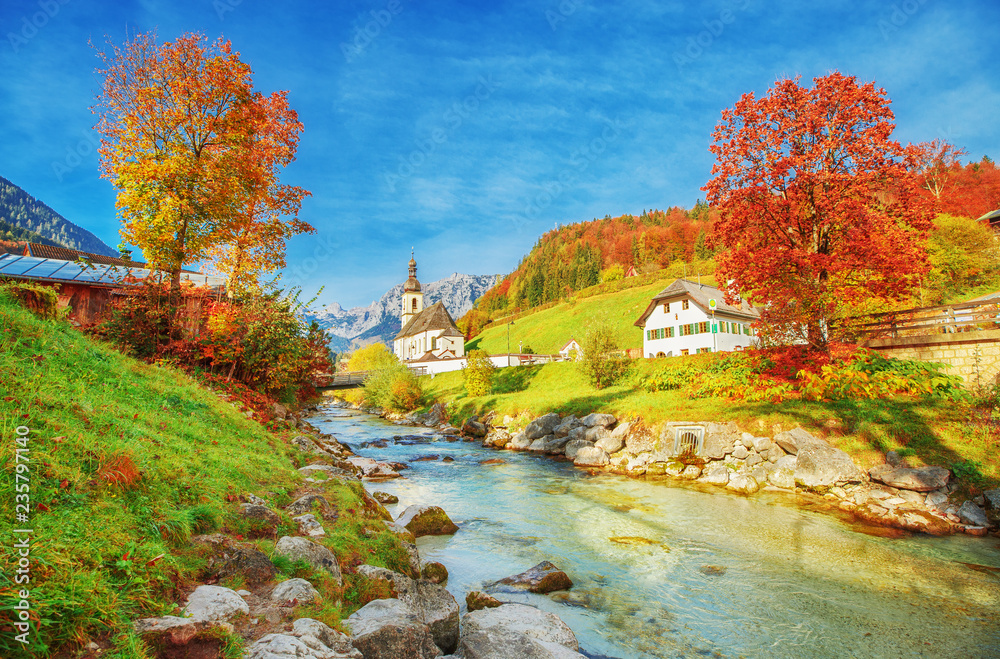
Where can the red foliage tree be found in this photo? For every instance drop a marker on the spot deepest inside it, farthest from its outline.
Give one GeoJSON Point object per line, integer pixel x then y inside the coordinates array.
{"type": "Point", "coordinates": [820, 208]}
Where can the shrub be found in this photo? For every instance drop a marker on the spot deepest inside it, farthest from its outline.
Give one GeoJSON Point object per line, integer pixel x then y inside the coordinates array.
{"type": "Point", "coordinates": [478, 373]}
{"type": "Point", "coordinates": [41, 300]}
{"type": "Point", "coordinates": [603, 362]}
{"type": "Point", "coordinates": [393, 387]}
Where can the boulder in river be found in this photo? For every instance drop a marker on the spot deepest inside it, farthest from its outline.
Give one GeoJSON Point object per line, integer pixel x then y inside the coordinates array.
{"type": "Point", "coordinates": [819, 465]}
{"type": "Point", "coordinates": [384, 497]}
{"type": "Point", "coordinates": [389, 629]}
{"type": "Point", "coordinates": [590, 456]}
{"type": "Point", "coordinates": [426, 520]}
{"type": "Point", "coordinates": [473, 427]}
{"type": "Point", "coordinates": [922, 479]}
{"type": "Point", "coordinates": [313, 553]}
{"type": "Point", "coordinates": [543, 578]}
{"type": "Point", "coordinates": [308, 639]}
{"type": "Point", "coordinates": [516, 631]}
{"type": "Point", "coordinates": [476, 600]}
{"type": "Point", "coordinates": [793, 441]}
{"type": "Point", "coordinates": [543, 425]}
{"type": "Point", "coordinates": [574, 445]}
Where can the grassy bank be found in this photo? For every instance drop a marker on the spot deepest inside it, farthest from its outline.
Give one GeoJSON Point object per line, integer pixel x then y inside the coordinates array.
{"type": "Point", "coordinates": [125, 463]}
{"type": "Point", "coordinates": [928, 430]}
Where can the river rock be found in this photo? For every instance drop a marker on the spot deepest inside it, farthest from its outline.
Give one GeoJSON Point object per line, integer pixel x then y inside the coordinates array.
{"type": "Point", "coordinates": [373, 468]}
{"type": "Point", "coordinates": [538, 445]}
{"type": "Point", "coordinates": [972, 515]}
{"type": "Point", "coordinates": [260, 520]}
{"type": "Point", "coordinates": [602, 420]}
{"type": "Point", "coordinates": [329, 471]}
{"type": "Point", "coordinates": [992, 499]}
{"type": "Point", "coordinates": [595, 434]}
{"type": "Point", "coordinates": [474, 428]}
{"type": "Point", "coordinates": [719, 441]}
{"type": "Point", "coordinates": [922, 479]}
{"type": "Point", "coordinates": [716, 474]}
{"type": "Point", "coordinates": [591, 456]}
{"type": "Point", "coordinates": [433, 604]}
{"type": "Point", "coordinates": [519, 442]}
{"type": "Point", "coordinates": [742, 483]}
{"type": "Point", "coordinates": [434, 572]}
{"type": "Point", "coordinates": [309, 639]}
{"type": "Point", "coordinates": [516, 631]}
{"type": "Point", "coordinates": [610, 444]}
{"type": "Point", "coordinates": [313, 553]}
{"type": "Point", "coordinates": [782, 477]}
{"type": "Point", "coordinates": [543, 425]}
{"type": "Point", "coordinates": [754, 459]}
{"type": "Point", "coordinates": [234, 559]}
{"type": "Point", "coordinates": [401, 531]}
{"type": "Point", "coordinates": [295, 589]}
{"type": "Point", "coordinates": [556, 445]}
{"type": "Point", "coordinates": [497, 438]}
{"type": "Point", "coordinates": [426, 520]}
{"type": "Point", "coordinates": [384, 497]}
{"type": "Point", "coordinates": [566, 426]}
{"type": "Point", "coordinates": [389, 629]}
{"type": "Point", "coordinates": [690, 473]}
{"type": "Point", "coordinates": [795, 440]}
{"type": "Point", "coordinates": [171, 631]}
{"type": "Point", "coordinates": [476, 600]}
{"type": "Point", "coordinates": [309, 502]}
{"type": "Point", "coordinates": [309, 525]}
{"type": "Point", "coordinates": [543, 578]}
{"type": "Point", "coordinates": [819, 465]}
{"type": "Point", "coordinates": [641, 439]}
{"type": "Point", "coordinates": [740, 452]}
{"type": "Point", "coordinates": [574, 445]}
{"type": "Point", "coordinates": [211, 603]}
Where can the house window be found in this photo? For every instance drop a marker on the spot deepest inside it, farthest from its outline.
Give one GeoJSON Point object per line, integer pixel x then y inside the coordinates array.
{"type": "Point", "coordinates": [434, 343]}
{"type": "Point", "coordinates": [414, 306]}
{"type": "Point", "coordinates": [703, 328]}
{"type": "Point", "coordinates": [701, 350]}
{"type": "Point", "coordinates": [660, 354]}
{"type": "Point", "coordinates": [723, 327]}
{"type": "Point", "coordinates": [685, 352]}
{"type": "Point", "coordinates": [669, 332]}
{"type": "Point", "coordinates": [684, 306]}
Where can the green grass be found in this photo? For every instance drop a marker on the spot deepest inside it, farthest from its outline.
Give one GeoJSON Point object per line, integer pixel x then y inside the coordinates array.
{"type": "Point", "coordinates": [126, 462]}
{"type": "Point", "coordinates": [548, 330]}
{"type": "Point", "coordinates": [928, 430]}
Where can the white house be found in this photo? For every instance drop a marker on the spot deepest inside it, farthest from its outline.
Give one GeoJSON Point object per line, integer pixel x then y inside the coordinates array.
{"type": "Point", "coordinates": [687, 318]}
{"type": "Point", "coordinates": [571, 350]}
{"type": "Point", "coordinates": [428, 335]}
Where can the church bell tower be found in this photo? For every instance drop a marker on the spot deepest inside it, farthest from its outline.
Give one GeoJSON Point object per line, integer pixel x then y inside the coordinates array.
{"type": "Point", "coordinates": [413, 298]}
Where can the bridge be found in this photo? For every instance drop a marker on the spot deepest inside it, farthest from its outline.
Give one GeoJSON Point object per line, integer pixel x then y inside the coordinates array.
{"type": "Point", "coordinates": [342, 380]}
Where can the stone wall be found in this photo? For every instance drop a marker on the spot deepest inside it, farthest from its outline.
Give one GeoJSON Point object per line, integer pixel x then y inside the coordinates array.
{"type": "Point", "coordinates": [973, 355]}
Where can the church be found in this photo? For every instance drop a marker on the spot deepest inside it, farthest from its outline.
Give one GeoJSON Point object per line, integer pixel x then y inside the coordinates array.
{"type": "Point", "coordinates": [428, 335]}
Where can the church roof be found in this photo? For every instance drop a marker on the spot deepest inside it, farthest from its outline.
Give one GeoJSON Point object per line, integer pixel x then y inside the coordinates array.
{"type": "Point", "coordinates": [434, 317]}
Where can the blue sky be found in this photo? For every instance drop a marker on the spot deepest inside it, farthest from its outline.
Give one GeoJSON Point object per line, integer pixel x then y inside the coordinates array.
{"type": "Point", "coordinates": [467, 129]}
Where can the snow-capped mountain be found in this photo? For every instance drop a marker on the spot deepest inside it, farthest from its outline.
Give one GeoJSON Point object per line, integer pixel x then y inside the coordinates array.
{"type": "Point", "coordinates": [379, 321]}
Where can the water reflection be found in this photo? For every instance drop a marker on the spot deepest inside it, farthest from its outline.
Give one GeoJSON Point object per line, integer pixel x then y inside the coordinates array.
{"type": "Point", "coordinates": [666, 571]}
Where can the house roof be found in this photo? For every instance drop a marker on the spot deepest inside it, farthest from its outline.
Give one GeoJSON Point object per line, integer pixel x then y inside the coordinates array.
{"type": "Point", "coordinates": [993, 217]}
{"type": "Point", "coordinates": [98, 274]}
{"type": "Point", "coordinates": [700, 294]}
{"type": "Point", "coordinates": [568, 344]}
{"type": "Point", "coordinates": [67, 254]}
{"type": "Point", "coordinates": [434, 317]}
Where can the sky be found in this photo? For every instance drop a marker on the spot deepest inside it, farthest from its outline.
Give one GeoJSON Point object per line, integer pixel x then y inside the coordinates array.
{"type": "Point", "coordinates": [465, 130]}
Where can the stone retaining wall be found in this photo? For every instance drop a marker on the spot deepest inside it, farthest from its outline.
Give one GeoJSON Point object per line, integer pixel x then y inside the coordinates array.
{"type": "Point", "coordinates": [974, 356]}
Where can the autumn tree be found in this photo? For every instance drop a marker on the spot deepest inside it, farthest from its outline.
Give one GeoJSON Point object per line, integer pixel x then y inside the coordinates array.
{"type": "Point", "coordinates": [819, 208]}
{"type": "Point", "coordinates": [195, 152]}
{"type": "Point", "coordinates": [936, 163]}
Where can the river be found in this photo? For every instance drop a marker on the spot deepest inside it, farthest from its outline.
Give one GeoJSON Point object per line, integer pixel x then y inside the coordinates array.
{"type": "Point", "coordinates": [664, 570]}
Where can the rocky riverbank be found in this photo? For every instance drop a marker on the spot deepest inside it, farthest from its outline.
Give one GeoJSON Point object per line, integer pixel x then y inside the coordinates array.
{"type": "Point", "coordinates": [795, 462]}
{"type": "Point", "coordinates": [417, 618]}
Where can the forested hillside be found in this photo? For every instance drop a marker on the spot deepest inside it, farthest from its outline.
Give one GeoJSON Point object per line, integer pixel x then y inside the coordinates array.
{"type": "Point", "coordinates": [576, 256]}
{"type": "Point", "coordinates": [20, 209]}
{"type": "Point", "coordinates": [11, 232]}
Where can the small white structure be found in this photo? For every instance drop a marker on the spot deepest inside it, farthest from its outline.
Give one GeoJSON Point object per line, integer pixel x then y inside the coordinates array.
{"type": "Point", "coordinates": [571, 350]}
{"type": "Point", "coordinates": [687, 318]}
{"type": "Point", "coordinates": [427, 335]}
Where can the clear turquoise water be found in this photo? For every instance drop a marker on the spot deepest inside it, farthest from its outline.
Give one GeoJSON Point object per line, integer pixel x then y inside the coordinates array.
{"type": "Point", "coordinates": [793, 582]}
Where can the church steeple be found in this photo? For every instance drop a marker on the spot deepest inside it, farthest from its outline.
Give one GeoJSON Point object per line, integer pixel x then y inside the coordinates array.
{"type": "Point", "coordinates": [413, 298]}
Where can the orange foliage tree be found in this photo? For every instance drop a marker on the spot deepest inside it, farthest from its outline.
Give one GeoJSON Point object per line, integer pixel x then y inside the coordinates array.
{"type": "Point", "coordinates": [820, 208]}
{"type": "Point", "coordinates": [195, 152]}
